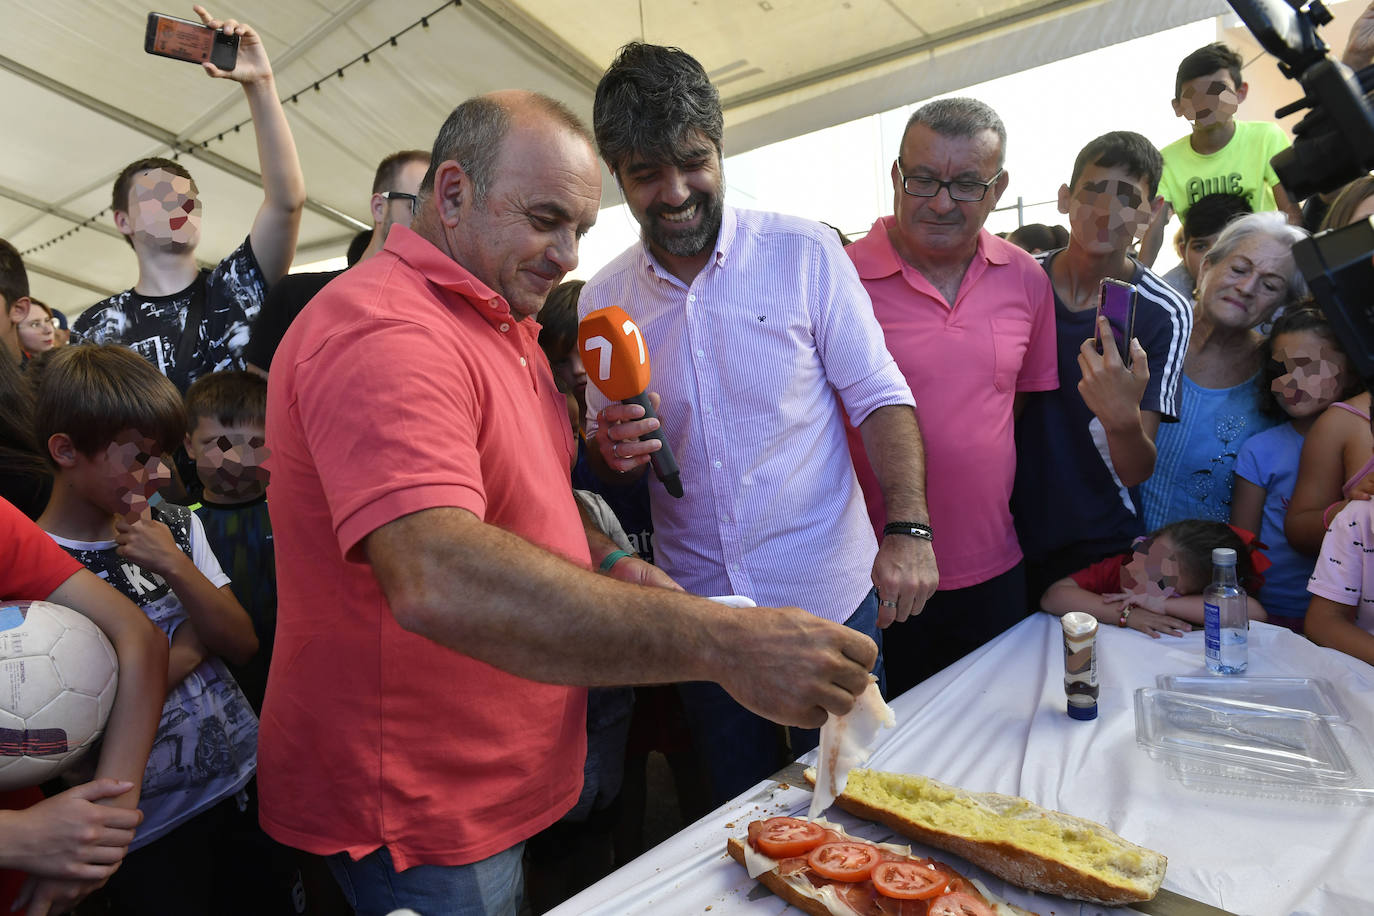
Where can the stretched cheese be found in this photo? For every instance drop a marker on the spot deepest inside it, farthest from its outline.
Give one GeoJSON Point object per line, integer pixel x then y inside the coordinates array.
{"type": "Point", "coordinates": [846, 742]}
{"type": "Point", "coordinates": [1020, 842]}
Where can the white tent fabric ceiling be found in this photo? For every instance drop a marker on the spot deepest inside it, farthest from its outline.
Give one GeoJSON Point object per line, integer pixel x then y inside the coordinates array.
{"type": "Point", "coordinates": [83, 99]}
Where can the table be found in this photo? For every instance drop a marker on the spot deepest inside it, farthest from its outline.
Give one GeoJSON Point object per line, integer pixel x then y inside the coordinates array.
{"type": "Point", "coordinates": [995, 721]}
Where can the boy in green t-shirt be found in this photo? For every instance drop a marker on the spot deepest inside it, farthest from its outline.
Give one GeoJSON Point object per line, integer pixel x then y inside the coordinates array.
{"type": "Point", "coordinates": [1221, 155]}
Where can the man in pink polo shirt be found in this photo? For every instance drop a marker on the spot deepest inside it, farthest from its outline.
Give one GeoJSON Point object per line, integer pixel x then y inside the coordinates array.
{"type": "Point", "coordinates": [970, 320]}
{"type": "Point", "coordinates": [435, 594]}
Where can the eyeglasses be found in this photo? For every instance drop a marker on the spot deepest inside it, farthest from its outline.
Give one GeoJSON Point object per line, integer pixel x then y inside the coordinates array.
{"type": "Point", "coordinates": [402, 195]}
{"type": "Point", "coordinates": [962, 189]}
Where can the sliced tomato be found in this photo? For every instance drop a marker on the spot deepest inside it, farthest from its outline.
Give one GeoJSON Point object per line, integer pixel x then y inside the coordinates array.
{"type": "Point", "coordinates": [844, 861]}
{"type": "Point", "coordinates": [784, 837]}
{"type": "Point", "coordinates": [908, 880]}
{"type": "Point", "coordinates": [959, 905]}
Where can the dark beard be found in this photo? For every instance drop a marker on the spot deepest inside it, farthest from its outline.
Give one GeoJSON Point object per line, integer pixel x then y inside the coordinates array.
{"type": "Point", "coordinates": [691, 242]}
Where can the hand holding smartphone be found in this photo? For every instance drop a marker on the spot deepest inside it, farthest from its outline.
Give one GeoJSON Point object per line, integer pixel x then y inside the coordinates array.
{"type": "Point", "coordinates": [1116, 302]}
{"type": "Point", "coordinates": [182, 39]}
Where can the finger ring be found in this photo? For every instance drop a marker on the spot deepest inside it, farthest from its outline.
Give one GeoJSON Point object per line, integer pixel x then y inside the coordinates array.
{"type": "Point", "coordinates": [615, 449]}
{"type": "Point", "coordinates": [885, 603]}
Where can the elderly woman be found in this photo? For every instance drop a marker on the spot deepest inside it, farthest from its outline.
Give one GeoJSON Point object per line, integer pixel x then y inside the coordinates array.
{"type": "Point", "coordinates": [1246, 277]}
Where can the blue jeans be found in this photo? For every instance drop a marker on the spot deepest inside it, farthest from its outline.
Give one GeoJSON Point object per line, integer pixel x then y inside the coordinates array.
{"type": "Point", "coordinates": [737, 748]}
{"type": "Point", "coordinates": [373, 887]}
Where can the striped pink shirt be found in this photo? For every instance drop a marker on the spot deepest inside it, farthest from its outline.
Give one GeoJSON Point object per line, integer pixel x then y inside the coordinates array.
{"type": "Point", "coordinates": [757, 363]}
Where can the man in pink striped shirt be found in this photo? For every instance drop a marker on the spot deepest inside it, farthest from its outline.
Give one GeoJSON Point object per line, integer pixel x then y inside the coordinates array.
{"type": "Point", "coordinates": [761, 340]}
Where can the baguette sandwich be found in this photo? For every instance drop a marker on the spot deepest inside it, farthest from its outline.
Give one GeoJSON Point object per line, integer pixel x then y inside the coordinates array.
{"type": "Point", "coordinates": [1020, 842]}
{"type": "Point", "coordinates": [818, 868]}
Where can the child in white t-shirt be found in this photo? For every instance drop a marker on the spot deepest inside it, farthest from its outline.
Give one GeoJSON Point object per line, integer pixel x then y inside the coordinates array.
{"type": "Point", "coordinates": [106, 418]}
{"type": "Point", "coordinates": [1341, 613]}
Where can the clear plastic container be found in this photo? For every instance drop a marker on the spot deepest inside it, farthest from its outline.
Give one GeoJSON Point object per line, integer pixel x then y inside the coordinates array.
{"type": "Point", "coordinates": [1312, 694]}
{"type": "Point", "coordinates": [1287, 744]}
{"type": "Point", "coordinates": [1227, 780]}
{"type": "Point", "coordinates": [1250, 749]}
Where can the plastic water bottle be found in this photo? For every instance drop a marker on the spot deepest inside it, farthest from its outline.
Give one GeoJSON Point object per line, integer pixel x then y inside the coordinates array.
{"type": "Point", "coordinates": [1226, 616]}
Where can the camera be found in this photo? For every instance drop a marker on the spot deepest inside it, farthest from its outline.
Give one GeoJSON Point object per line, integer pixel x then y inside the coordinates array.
{"type": "Point", "coordinates": [1333, 144]}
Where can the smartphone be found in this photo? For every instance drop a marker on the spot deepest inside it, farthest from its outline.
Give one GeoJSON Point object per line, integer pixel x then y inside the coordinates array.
{"type": "Point", "coordinates": [1116, 300]}
{"type": "Point", "coordinates": [182, 39]}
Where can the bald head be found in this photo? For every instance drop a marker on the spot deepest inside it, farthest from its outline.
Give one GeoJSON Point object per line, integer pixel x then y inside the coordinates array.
{"type": "Point", "coordinates": [473, 134]}
{"type": "Point", "coordinates": [513, 195]}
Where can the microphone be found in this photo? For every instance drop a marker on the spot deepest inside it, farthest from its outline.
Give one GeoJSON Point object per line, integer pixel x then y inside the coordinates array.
{"type": "Point", "coordinates": [617, 363]}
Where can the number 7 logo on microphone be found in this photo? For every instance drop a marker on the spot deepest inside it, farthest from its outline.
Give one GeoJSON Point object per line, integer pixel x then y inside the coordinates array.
{"type": "Point", "coordinates": [618, 368]}
{"type": "Point", "coordinates": [620, 371]}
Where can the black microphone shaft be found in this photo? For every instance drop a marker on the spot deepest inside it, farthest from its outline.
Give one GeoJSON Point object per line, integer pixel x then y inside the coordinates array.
{"type": "Point", "coordinates": [665, 465]}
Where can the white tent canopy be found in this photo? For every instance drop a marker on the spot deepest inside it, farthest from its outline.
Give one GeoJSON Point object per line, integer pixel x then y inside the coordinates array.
{"type": "Point", "coordinates": [83, 99]}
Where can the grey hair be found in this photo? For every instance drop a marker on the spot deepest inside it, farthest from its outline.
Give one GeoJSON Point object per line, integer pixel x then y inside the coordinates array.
{"type": "Point", "coordinates": [961, 117]}
{"type": "Point", "coordinates": [1272, 224]}
{"type": "Point", "coordinates": [473, 134]}
{"type": "Point", "coordinates": [650, 102]}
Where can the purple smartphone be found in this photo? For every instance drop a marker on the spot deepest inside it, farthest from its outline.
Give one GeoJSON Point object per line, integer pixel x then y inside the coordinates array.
{"type": "Point", "coordinates": [1116, 300]}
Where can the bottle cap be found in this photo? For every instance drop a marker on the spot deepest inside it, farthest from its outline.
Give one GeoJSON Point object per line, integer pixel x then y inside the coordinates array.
{"type": "Point", "coordinates": [1083, 713]}
{"type": "Point", "coordinates": [1078, 624]}
{"type": "Point", "coordinates": [1223, 556]}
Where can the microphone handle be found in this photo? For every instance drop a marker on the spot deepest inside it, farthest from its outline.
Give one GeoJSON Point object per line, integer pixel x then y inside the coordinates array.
{"type": "Point", "coordinates": [665, 465]}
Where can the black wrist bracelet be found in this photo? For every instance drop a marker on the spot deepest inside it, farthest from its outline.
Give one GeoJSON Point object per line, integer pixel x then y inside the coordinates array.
{"type": "Point", "coordinates": [910, 529]}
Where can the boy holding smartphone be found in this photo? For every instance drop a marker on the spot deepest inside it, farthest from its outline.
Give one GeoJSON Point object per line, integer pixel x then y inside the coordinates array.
{"type": "Point", "coordinates": [1094, 436]}
{"type": "Point", "coordinates": [185, 321]}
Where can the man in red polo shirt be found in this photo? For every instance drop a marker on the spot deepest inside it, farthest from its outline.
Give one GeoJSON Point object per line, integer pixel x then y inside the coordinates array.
{"type": "Point", "coordinates": [969, 319]}
{"type": "Point", "coordinates": [435, 593]}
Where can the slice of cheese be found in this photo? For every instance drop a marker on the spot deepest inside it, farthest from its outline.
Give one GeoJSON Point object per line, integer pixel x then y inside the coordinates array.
{"type": "Point", "coordinates": [846, 742]}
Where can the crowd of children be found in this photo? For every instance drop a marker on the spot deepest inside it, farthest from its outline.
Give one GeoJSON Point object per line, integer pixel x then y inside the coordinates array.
{"type": "Point", "coordinates": [1232, 418]}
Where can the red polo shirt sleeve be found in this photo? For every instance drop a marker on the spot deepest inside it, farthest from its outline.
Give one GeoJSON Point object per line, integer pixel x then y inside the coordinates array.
{"type": "Point", "coordinates": [380, 458]}
{"type": "Point", "coordinates": [32, 565]}
{"type": "Point", "coordinates": [31, 568]}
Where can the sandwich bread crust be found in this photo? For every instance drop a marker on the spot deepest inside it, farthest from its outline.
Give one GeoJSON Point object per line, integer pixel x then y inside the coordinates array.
{"type": "Point", "coordinates": [1019, 842]}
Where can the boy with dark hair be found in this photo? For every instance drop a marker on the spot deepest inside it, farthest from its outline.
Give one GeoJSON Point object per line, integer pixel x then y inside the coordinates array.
{"type": "Point", "coordinates": [1221, 154]}
{"type": "Point", "coordinates": [1201, 226]}
{"type": "Point", "coordinates": [14, 300]}
{"type": "Point", "coordinates": [226, 413]}
{"type": "Point", "coordinates": [184, 320]}
{"type": "Point", "coordinates": [105, 418]}
{"type": "Point", "coordinates": [1094, 436]}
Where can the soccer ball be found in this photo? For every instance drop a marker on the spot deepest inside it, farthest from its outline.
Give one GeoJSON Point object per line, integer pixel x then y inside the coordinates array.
{"type": "Point", "coordinates": [58, 674]}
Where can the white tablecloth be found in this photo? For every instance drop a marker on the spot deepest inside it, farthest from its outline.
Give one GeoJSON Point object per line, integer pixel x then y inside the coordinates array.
{"type": "Point", "coordinates": [995, 721]}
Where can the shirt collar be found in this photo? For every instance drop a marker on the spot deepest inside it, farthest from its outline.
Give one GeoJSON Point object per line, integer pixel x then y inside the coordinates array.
{"type": "Point", "coordinates": [873, 255]}
{"type": "Point", "coordinates": [426, 259]}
